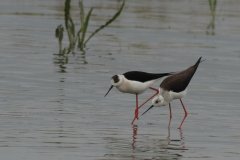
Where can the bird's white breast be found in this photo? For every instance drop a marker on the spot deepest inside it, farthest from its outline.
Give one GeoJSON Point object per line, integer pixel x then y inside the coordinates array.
{"type": "Point", "coordinates": [133, 87]}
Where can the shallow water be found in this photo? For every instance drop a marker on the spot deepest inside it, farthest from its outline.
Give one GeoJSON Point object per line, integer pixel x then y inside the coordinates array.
{"type": "Point", "coordinates": [53, 110]}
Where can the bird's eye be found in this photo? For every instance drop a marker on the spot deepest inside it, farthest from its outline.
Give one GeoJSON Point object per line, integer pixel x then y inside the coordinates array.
{"type": "Point", "coordinates": [156, 101]}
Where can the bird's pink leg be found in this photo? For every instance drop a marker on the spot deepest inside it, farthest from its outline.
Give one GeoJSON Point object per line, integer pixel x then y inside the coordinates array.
{"type": "Point", "coordinates": [136, 110]}
{"type": "Point", "coordinates": [184, 116]}
{"type": "Point", "coordinates": [170, 116]}
{"type": "Point", "coordinates": [170, 111]}
{"type": "Point", "coordinates": [157, 91]}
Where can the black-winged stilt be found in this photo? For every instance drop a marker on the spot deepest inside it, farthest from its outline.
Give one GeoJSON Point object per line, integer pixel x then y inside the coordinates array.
{"type": "Point", "coordinates": [174, 87]}
{"type": "Point", "coordinates": [136, 82]}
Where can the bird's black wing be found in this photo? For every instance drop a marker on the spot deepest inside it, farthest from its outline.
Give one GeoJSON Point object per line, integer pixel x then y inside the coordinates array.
{"type": "Point", "coordinates": [143, 76]}
{"type": "Point", "coordinates": [179, 82]}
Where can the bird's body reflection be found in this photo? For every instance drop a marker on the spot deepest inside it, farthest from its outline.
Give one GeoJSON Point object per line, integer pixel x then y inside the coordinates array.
{"type": "Point", "coordinates": [152, 145]}
{"type": "Point", "coordinates": [180, 133]}
{"type": "Point", "coordinates": [172, 147]}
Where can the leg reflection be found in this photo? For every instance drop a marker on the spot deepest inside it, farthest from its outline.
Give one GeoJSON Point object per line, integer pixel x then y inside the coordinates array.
{"type": "Point", "coordinates": [135, 128]}
{"type": "Point", "coordinates": [169, 132]}
{"type": "Point", "coordinates": [181, 134]}
{"type": "Point", "coordinates": [175, 146]}
{"type": "Point", "coordinates": [182, 140]}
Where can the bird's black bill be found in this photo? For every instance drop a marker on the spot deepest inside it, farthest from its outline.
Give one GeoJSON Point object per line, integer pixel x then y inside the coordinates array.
{"type": "Point", "coordinates": [109, 90]}
{"type": "Point", "coordinates": [148, 109]}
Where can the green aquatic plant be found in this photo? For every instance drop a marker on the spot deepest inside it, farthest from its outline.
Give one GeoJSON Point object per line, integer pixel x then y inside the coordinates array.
{"type": "Point", "coordinates": [80, 36]}
{"type": "Point", "coordinates": [106, 24]}
{"type": "Point", "coordinates": [70, 27]}
{"type": "Point", "coordinates": [84, 25]}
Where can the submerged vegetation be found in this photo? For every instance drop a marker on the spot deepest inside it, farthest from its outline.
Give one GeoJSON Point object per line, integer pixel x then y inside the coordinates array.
{"type": "Point", "coordinates": [59, 35]}
{"type": "Point", "coordinates": [79, 37]}
{"type": "Point", "coordinates": [211, 25]}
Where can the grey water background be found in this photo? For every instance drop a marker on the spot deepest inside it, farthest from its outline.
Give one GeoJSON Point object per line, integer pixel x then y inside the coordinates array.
{"type": "Point", "coordinates": [52, 110]}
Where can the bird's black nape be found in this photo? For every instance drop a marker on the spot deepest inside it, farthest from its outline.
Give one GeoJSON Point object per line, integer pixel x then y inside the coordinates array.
{"type": "Point", "coordinates": [109, 90]}
{"type": "Point", "coordinates": [148, 109]}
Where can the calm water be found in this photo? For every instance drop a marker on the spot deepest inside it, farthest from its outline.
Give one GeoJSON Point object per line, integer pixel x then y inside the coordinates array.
{"type": "Point", "coordinates": [52, 110]}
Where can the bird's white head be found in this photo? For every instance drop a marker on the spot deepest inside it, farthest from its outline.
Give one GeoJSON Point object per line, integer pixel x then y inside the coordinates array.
{"type": "Point", "coordinates": [158, 101]}
{"type": "Point", "coordinates": [117, 80]}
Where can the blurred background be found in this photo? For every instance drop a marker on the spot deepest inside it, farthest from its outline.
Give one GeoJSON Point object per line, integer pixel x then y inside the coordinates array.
{"type": "Point", "coordinates": [52, 100]}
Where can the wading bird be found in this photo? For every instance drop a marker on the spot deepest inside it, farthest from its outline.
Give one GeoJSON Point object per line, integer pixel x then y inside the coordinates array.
{"type": "Point", "coordinates": [136, 82]}
{"type": "Point", "coordinates": [174, 87]}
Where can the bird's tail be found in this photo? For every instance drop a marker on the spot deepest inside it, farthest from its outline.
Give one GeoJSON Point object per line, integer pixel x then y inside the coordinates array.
{"type": "Point", "coordinates": [198, 62]}
{"type": "Point", "coordinates": [195, 66]}
{"type": "Point", "coordinates": [191, 71]}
